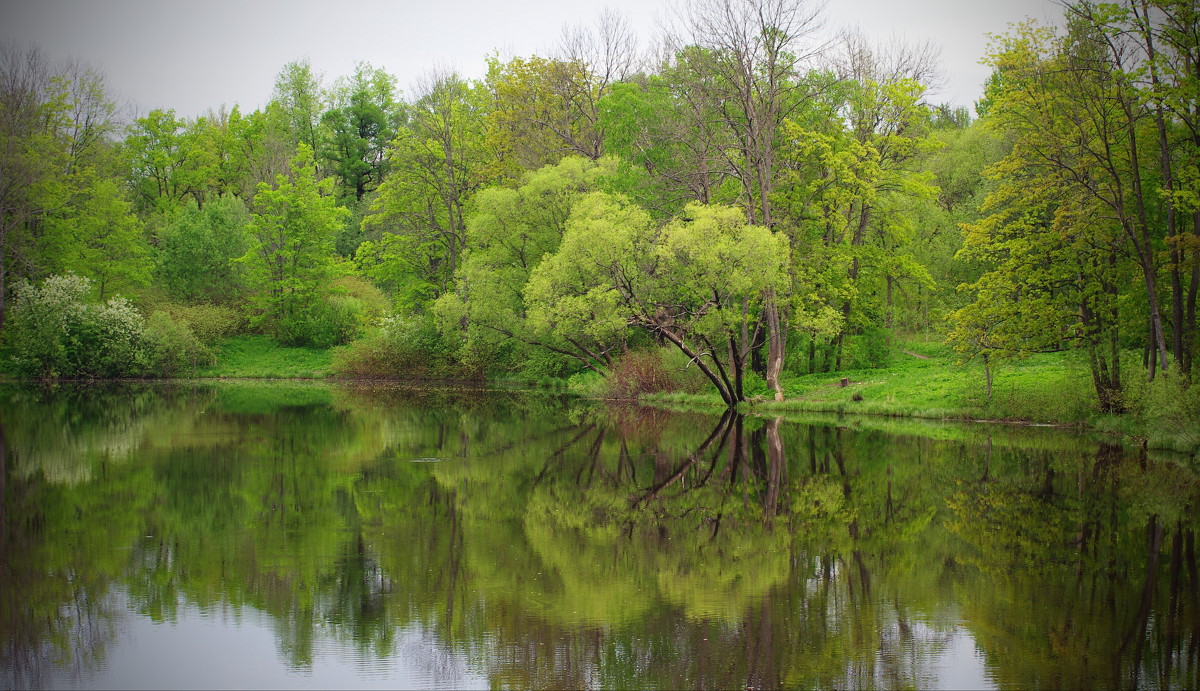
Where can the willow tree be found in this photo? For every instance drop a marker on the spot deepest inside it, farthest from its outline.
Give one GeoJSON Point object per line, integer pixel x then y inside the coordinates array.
{"type": "Point", "coordinates": [512, 230]}
{"type": "Point", "coordinates": [752, 51]}
{"type": "Point", "coordinates": [699, 281]}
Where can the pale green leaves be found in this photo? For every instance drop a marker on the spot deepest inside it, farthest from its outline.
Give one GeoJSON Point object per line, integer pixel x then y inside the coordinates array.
{"type": "Point", "coordinates": [701, 273]}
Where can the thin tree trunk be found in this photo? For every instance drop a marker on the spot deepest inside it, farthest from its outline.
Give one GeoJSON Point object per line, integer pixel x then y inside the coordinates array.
{"type": "Point", "coordinates": [776, 342]}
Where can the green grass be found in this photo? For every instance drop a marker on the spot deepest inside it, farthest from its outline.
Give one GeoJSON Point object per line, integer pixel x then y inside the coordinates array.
{"type": "Point", "coordinates": [260, 357]}
{"type": "Point", "coordinates": [1045, 389]}
{"type": "Point", "coordinates": [1042, 388]}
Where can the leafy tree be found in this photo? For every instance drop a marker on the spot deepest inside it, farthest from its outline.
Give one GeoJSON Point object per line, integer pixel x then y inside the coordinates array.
{"type": "Point", "coordinates": [750, 57]}
{"type": "Point", "coordinates": [155, 154]}
{"type": "Point", "coordinates": [196, 258]}
{"type": "Point", "coordinates": [699, 282]}
{"type": "Point", "coordinates": [544, 109]}
{"type": "Point", "coordinates": [108, 244]}
{"type": "Point", "coordinates": [417, 221]}
{"type": "Point", "coordinates": [289, 260]}
{"type": "Point", "coordinates": [360, 125]}
{"type": "Point", "coordinates": [511, 231]}
{"type": "Point", "coordinates": [297, 95]}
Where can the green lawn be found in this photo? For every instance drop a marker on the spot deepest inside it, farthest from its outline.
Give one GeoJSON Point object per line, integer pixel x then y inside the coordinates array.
{"type": "Point", "coordinates": [260, 357]}
{"type": "Point", "coordinates": [1049, 388]}
{"type": "Point", "coordinates": [1041, 388]}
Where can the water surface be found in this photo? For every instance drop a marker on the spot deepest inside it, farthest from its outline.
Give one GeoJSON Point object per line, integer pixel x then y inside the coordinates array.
{"type": "Point", "coordinates": [289, 535]}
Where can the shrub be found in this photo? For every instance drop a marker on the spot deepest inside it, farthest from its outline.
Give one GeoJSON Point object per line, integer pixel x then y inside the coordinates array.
{"type": "Point", "coordinates": [209, 323]}
{"type": "Point", "coordinates": [332, 320]}
{"type": "Point", "coordinates": [175, 348]}
{"type": "Point", "coordinates": [1169, 406]}
{"type": "Point", "coordinates": [54, 333]}
{"type": "Point", "coordinates": [637, 372]}
{"type": "Point", "coordinates": [372, 303]}
{"type": "Point", "coordinates": [402, 347]}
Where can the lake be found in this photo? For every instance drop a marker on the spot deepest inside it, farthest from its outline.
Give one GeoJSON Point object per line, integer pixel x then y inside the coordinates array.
{"type": "Point", "coordinates": [285, 535]}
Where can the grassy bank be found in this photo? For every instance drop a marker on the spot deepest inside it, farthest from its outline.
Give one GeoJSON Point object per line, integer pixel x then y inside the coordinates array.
{"type": "Point", "coordinates": [925, 380]}
{"type": "Point", "coordinates": [260, 357]}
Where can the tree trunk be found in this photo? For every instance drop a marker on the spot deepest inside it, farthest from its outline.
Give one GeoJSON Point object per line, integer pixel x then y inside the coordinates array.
{"type": "Point", "coordinates": [776, 341]}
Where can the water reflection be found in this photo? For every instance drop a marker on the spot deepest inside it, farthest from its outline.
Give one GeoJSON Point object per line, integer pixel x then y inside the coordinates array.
{"type": "Point", "coordinates": [528, 541]}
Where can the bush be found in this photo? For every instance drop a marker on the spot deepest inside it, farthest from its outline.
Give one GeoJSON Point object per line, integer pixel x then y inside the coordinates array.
{"type": "Point", "coordinates": [402, 347]}
{"type": "Point", "coordinates": [333, 320]}
{"type": "Point", "coordinates": [638, 372]}
{"type": "Point", "coordinates": [54, 333]}
{"type": "Point", "coordinates": [209, 323]}
{"type": "Point", "coordinates": [175, 348]}
{"type": "Point", "coordinates": [1169, 407]}
{"type": "Point", "coordinates": [372, 303]}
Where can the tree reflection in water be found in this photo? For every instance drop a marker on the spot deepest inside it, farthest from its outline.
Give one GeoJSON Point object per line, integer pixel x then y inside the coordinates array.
{"type": "Point", "coordinates": [551, 543]}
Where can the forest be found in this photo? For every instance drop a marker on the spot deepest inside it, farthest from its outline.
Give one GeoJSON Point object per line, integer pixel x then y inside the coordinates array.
{"type": "Point", "coordinates": [746, 202]}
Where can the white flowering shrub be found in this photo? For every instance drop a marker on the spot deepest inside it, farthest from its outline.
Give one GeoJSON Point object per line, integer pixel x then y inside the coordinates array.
{"type": "Point", "coordinates": [54, 333]}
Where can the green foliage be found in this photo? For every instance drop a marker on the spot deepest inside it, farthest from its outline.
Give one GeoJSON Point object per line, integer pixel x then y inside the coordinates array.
{"type": "Point", "coordinates": [209, 323]}
{"type": "Point", "coordinates": [401, 348]}
{"type": "Point", "coordinates": [1168, 410]}
{"type": "Point", "coordinates": [290, 259]}
{"type": "Point", "coordinates": [871, 349]}
{"type": "Point", "coordinates": [54, 333]}
{"type": "Point", "coordinates": [699, 278]}
{"type": "Point", "coordinates": [175, 348]}
{"type": "Point", "coordinates": [359, 127]}
{"type": "Point", "coordinates": [104, 239]}
{"type": "Point", "coordinates": [512, 231]}
{"type": "Point", "coordinates": [197, 252]}
{"type": "Point", "coordinates": [417, 223]}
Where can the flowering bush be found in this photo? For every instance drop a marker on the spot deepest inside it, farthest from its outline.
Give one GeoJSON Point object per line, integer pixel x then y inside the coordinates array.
{"type": "Point", "coordinates": [54, 333]}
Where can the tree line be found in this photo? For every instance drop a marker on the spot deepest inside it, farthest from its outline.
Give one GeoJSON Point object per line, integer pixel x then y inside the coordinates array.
{"type": "Point", "coordinates": [759, 197]}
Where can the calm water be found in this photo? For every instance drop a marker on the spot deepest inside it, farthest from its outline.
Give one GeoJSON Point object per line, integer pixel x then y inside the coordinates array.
{"type": "Point", "coordinates": [277, 536]}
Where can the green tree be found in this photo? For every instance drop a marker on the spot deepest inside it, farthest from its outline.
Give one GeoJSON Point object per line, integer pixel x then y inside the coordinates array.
{"type": "Point", "coordinates": [699, 281]}
{"type": "Point", "coordinates": [289, 261]}
{"type": "Point", "coordinates": [512, 230]}
{"type": "Point", "coordinates": [360, 125]}
{"type": "Point", "coordinates": [417, 221]}
{"type": "Point", "coordinates": [196, 257]}
{"type": "Point", "coordinates": [107, 244]}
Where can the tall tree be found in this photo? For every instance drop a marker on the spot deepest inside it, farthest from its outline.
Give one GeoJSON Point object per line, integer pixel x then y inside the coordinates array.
{"type": "Point", "coordinates": [32, 158]}
{"type": "Point", "coordinates": [439, 159]}
{"type": "Point", "coordinates": [753, 48]}
{"type": "Point", "coordinates": [298, 96]}
{"type": "Point", "coordinates": [289, 261]}
{"type": "Point", "coordinates": [360, 125]}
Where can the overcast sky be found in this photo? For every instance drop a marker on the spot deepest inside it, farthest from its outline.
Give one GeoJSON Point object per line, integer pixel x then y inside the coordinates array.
{"type": "Point", "coordinates": [198, 55]}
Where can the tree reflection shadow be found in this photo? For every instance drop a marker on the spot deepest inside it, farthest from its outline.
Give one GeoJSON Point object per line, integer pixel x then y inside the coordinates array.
{"type": "Point", "coordinates": [566, 544]}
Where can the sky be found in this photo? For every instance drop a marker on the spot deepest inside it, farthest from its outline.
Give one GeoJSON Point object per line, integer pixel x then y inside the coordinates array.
{"type": "Point", "coordinates": [193, 56]}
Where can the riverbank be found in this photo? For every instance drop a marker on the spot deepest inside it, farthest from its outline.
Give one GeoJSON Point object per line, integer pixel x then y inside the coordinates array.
{"type": "Point", "coordinates": [926, 381]}
{"type": "Point", "coordinates": [922, 381]}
